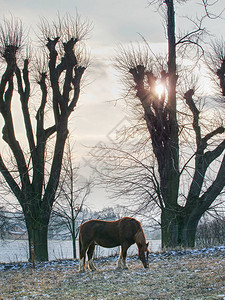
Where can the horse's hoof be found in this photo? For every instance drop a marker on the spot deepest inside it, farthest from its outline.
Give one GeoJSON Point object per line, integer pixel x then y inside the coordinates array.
{"type": "Point", "coordinates": [82, 271]}
{"type": "Point", "coordinates": [93, 270]}
{"type": "Point", "coordinates": [119, 268]}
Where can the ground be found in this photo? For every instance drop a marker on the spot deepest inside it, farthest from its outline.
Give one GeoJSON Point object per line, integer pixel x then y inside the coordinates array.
{"type": "Point", "coordinates": [187, 274]}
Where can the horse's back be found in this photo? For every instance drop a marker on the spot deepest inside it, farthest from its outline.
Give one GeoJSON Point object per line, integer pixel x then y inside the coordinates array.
{"type": "Point", "coordinates": [103, 233]}
{"type": "Point", "coordinates": [109, 233]}
{"type": "Point", "coordinates": [126, 222]}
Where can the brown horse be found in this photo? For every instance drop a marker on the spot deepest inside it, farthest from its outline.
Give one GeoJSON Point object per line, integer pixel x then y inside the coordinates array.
{"type": "Point", "coordinates": [123, 232]}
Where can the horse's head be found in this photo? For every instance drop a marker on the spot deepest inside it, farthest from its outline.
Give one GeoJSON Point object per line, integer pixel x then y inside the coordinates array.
{"type": "Point", "coordinates": [143, 254]}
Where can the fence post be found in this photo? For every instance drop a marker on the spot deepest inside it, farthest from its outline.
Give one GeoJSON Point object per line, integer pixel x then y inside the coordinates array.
{"type": "Point", "coordinates": [32, 252]}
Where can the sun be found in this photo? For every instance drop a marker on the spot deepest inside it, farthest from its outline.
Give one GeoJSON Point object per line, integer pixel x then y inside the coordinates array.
{"type": "Point", "coordinates": [160, 89]}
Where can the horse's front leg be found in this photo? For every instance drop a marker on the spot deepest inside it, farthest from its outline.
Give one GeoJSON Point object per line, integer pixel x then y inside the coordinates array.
{"type": "Point", "coordinates": [90, 253]}
{"type": "Point", "coordinates": [123, 254]}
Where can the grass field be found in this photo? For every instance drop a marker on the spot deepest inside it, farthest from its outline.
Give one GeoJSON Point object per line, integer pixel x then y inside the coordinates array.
{"type": "Point", "coordinates": [190, 274]}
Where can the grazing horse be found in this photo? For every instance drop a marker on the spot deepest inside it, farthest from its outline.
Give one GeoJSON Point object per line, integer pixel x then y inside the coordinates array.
{"type": "Point", "coordinates": [108, 234]}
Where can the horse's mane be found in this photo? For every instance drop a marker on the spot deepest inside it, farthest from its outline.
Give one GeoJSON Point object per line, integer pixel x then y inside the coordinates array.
{"type": "Point", "coordinates": [140, 237]}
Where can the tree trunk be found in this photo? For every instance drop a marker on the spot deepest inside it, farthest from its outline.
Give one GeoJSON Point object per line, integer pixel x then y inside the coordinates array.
{"type": "Point", "coordinates": [178, 229]}
{"type": "Point", "coordinates": [37, 228]}
{"type": "Point", "coordinates": [74, 239]}
{"type": "Point", "coordinates": [40, 239]}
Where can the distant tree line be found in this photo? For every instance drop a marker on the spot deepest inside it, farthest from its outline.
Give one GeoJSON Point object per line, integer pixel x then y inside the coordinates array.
{"type": "Point", "coordinates": [58, 226]}
{"type": "Point", "coordinates": [211, 233]}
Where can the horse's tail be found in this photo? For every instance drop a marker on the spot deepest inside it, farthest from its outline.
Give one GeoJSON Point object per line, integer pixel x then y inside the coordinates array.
{"type": "Point", "coordinates": [80, 243]}
{"type": "Point", "coordinates": [82, 251]}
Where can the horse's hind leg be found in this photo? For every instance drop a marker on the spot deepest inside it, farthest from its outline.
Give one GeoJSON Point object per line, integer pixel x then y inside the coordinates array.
{"type": "Point", "coordinates": [122, 259]}
{"type": "Point", "coordinates": [90, 255]}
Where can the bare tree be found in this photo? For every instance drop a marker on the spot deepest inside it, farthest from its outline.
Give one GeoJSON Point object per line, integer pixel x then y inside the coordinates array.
{"type": "Point", "coordinates": [71, 197]}
{"type": "Point", "coordinates": [167, 124]}
{"type": "Point", "coordinates": [3, 222]}
{"type": "Point", "coordinates": [58, 76]}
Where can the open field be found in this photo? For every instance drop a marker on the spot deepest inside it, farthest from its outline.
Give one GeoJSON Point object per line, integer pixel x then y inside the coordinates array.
{"type": "Point", "coordinates": [190, 274]}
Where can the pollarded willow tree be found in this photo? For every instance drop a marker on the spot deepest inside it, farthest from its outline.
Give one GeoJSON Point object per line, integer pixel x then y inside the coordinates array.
{"type": "Point", "coordinates": [180, 214]}
{"type": "Point", "coordinates": [59, 66]}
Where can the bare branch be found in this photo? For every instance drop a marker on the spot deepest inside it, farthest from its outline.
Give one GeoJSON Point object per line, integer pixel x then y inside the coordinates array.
{"type": "Point", "coordinates": [215, 189]}
{"type": "Point", "coordinates": [209, 14]}
{"type": "Point", "coordinates": [11, 38]}
{"type": "Point", "coordinates": [66, 27]}
{"type": "Point", "coordinates": [9, 179]}
{"type": "Point", "coordinates": [215, 60]}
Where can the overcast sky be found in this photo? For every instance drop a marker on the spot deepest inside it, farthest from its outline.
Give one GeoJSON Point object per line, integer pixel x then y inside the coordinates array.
{"type": "Point", "coordinates": [114, 22]}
